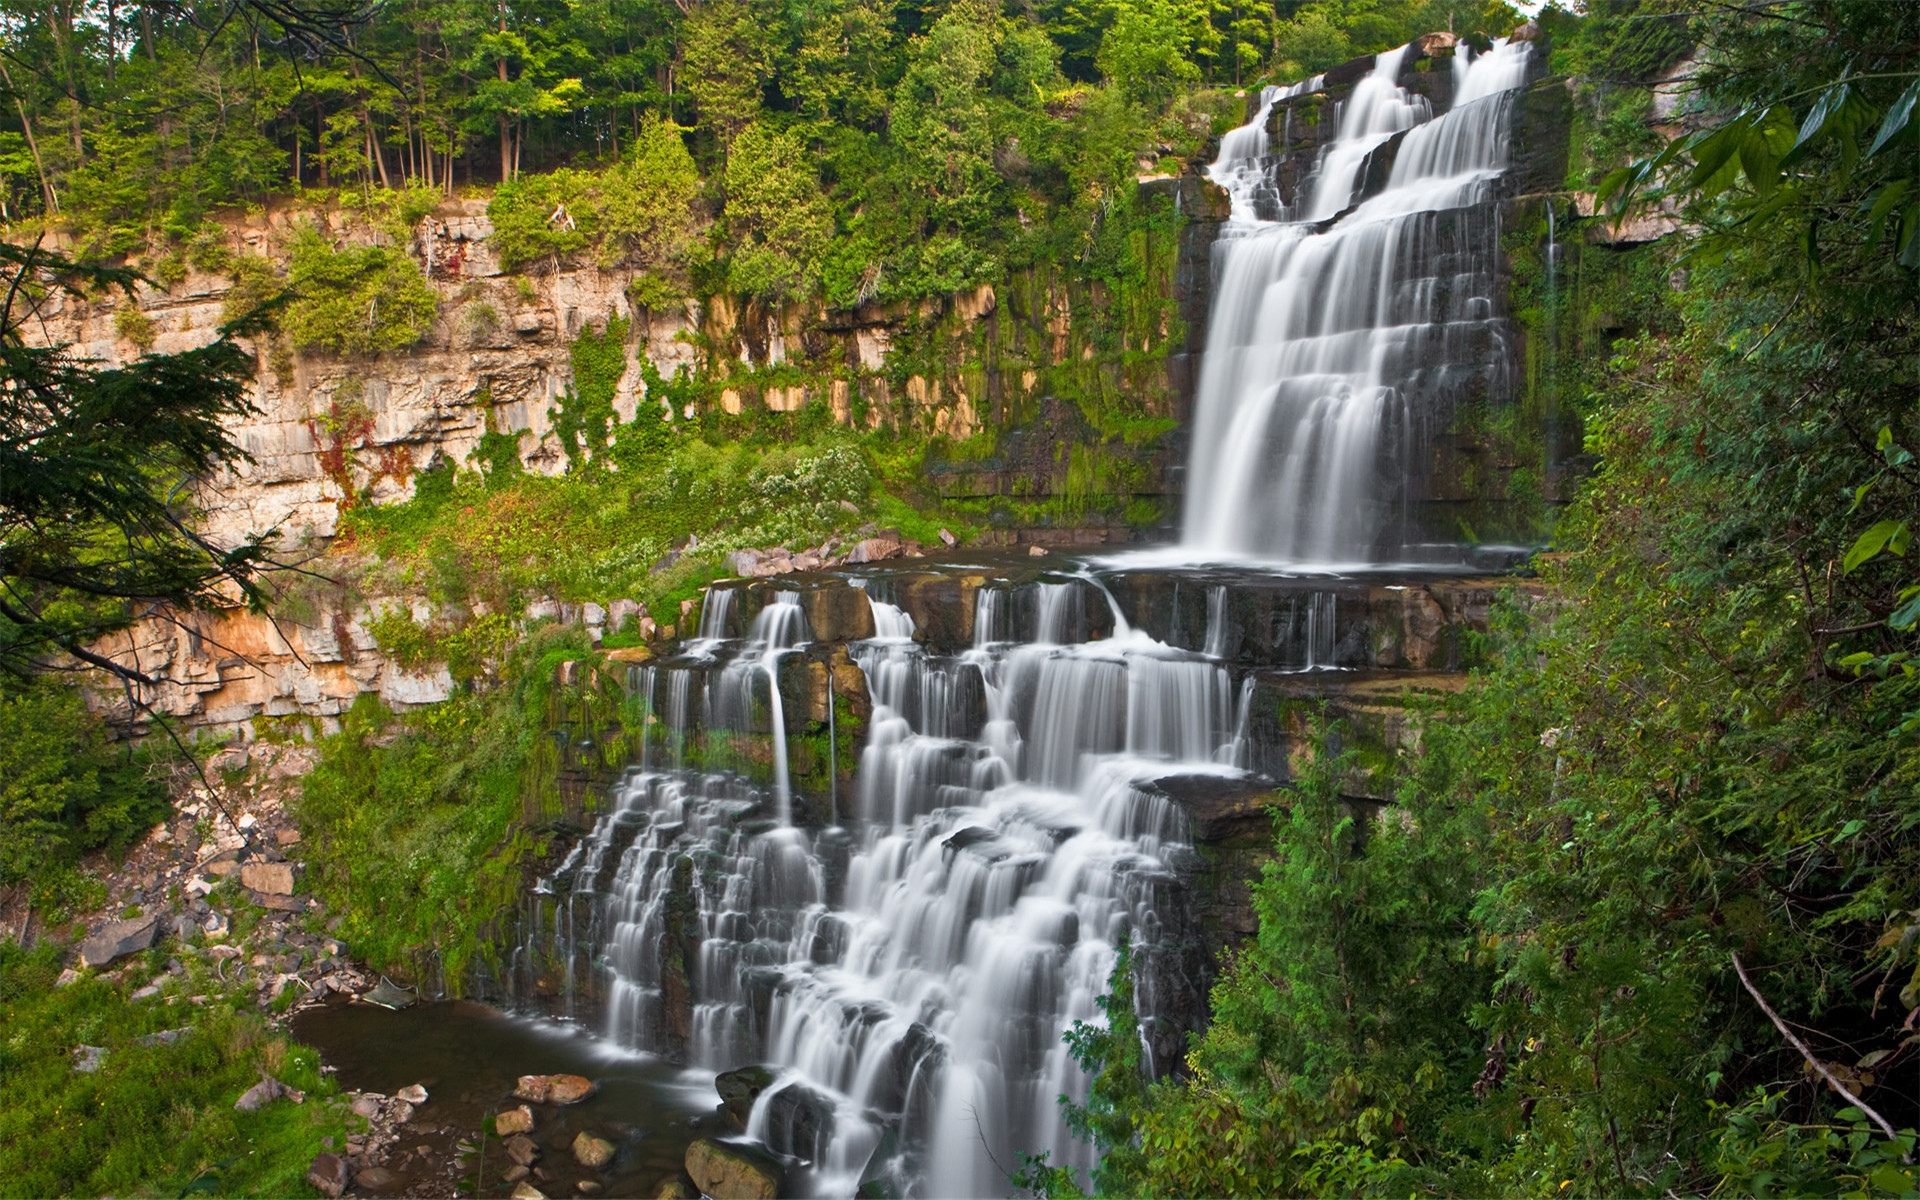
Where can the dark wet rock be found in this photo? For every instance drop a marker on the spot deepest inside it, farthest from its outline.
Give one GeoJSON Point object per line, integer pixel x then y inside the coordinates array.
{"type": "Point", "coordinates": [740, 1088]}
{"type": "Point", "coordinates": [800, 1121]}
{"type": "Point", "coordinates": [376, 1179]}
{"type": "Point", "coordinates": [679, 957]}
{"type": "Point", "coordinates": [117, 939]}
{"type": "Point", "coordinates": [726, 1171]}
{"type": "Point", "coordinates": [328, 1174]}
{"type": "Point", "coordinates": [1221, 807]}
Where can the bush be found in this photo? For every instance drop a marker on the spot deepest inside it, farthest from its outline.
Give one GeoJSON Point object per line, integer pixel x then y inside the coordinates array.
{"type": "Point", "coordinates": [134, 326]}
{"type": "Point", "coordinates": [357, 299]}
{"type": "Point", "coordinates": [64, 791]}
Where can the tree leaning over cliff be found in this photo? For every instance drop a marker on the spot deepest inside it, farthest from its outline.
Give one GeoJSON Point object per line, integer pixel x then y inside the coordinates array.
{"type": "Point", "coordinates": [99, 470]}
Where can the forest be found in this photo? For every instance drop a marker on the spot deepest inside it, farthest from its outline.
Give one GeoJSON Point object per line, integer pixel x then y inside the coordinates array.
{"type": "Point", "coordinates": [1636, 910]}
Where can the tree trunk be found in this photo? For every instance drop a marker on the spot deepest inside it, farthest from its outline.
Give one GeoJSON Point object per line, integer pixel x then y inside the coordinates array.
{"type": "Point", "coordinates": [33, 146]}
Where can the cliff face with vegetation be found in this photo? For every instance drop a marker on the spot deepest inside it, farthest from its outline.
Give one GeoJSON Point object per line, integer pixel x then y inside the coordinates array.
{"type": "Point", "coordinates": [1037, 408]}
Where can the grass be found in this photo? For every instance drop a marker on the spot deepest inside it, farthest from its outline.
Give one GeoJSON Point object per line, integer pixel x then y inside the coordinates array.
{"type": "Point", "coordinates": [154, 1120]}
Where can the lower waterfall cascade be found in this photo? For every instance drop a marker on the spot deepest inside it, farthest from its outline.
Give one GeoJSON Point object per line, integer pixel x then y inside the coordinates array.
{"type": "Point", "coordinates": [910, 969]}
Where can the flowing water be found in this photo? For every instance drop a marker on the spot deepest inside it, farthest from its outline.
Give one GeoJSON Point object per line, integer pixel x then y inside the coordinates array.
{"type": "Point", "coordinates": [907, 952]}
{"type": "Point", "coordinates": [912, 970]}
{"type": "Point", "coordinates": [1348, 321]}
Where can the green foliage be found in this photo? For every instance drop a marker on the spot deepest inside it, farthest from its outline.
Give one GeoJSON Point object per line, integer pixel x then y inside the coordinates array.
{"type": "Point", "coordinates": [133, 325]}
{"type": "Point", "coordinates": [1145, 51]}
{"type": "Point", "coordinates": [154, 1119]}
{"type": "Point", "coordinates": [542, 217]}
{"type": "Point", "coordinates": [64, 789]}
{"type": "Point", "coordinates": [584, 420]}
{"type": "Point", "coordinates": [777, 215]}
{"type": "Point", "coordinates": [355, 300]}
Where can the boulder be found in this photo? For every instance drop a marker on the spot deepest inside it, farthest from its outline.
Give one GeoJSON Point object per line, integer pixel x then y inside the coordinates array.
{"type": "Point", "coordinates": [553, 1089]}
{"type": "Point", "coordinates": [526, 1191]}
{"type": "Point", "coordinates": [675, 1189]}
{"type": "Point", "coordinates": [729, 1172]}
{"type": "Point", "coordinates": [328, 1174]}
{"type": "Point", "coordinates": [386, 995]}
{"type": "Point", "coordinates": [375, 1179]}
{"type": "Point", "coordinates": [413, 1093]}
{"type": "Point", "coordinates": [117, 939]}
{"type": "Point", "coordinates": [512, 1121]}
{"type": "Point", "coordinates": [739, 1089]}
{"type": "Point", "coordinates": [266, 1092]}
{"type": "Point", "coordinates": [268, 878]}
{"type": "Point", "coordinates": [520, 1149]}
{"type": "Point", "coordinates": [592, 1152]}
{"type": "Point", "coordinates": [876, 549]}
{"type": "Point", "coordinates": [760, 564]}
{"type": "Point", "coordinates": [88, 1059]}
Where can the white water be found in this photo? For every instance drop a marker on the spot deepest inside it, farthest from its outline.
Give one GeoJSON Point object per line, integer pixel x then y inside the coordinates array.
{"type": "Point", "coordinates": [1341, 329]}
{"type": "Point", "coordinates": [918, 968]}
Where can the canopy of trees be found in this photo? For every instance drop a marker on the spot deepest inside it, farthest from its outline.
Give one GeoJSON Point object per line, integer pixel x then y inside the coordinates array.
{"type": "Point", "coordinates": [937, 140]}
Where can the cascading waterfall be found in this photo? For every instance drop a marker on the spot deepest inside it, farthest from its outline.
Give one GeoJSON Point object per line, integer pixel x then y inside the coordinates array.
{"type": "Point", "coordinates": [912, 972]}
{"type": "Point", "coordinates": [907, 953]}
{"type": "Point", "coordinates": [1348, 320]}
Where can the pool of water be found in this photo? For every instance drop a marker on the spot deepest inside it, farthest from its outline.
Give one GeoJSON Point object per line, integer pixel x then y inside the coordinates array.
{"type": "Point", "coordinates": [468, 1057]}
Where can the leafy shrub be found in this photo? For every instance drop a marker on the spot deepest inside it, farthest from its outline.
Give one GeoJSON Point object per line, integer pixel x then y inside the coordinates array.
{"type": "Point", "coordinates": [64, 790]}
{"type": "Point", "coordinates": [133, 325]}
{"type": "Point", "coordinates": [776, 213]}
{"type": "Point", "coordinates": [542, 216]}
{"type": "Point", "coordinates": [254, 284]}
{"type": "Point", "coordinates": [356, 299]}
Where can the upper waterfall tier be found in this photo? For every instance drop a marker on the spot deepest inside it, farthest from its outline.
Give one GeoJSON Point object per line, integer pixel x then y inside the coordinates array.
{"type": "Point", "coordinates": [1353, 314]}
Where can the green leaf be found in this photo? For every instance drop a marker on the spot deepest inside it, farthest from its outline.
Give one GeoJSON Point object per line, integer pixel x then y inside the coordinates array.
{"type": "Point", "coordinates": [1822, 116]}
{"type": "Point", "coordinates": [1761, 150]}
{"type": "Point", "coordinates": [1890, 1178]}
{"type": "Point", "coordinates": [1908, 614]}
{"type": "Point", "coordinates": [1897, 119]}
{"type": "Point", "coordinates": [1870, 544]}
{"type": "Point", "coordinates": [1882, 202]}
{"type": "Point", "coordinates": [1715, 155]}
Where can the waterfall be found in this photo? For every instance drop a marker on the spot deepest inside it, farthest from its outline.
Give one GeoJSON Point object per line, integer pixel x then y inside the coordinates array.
{"type": "Point", "coordinates": [1349, 319]}
{"type": "Point", "coordinates": [910, 972]}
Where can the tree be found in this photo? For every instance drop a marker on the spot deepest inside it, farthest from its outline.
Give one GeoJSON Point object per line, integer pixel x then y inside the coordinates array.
{"type": "Point", "coordinates": [98, 470]}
